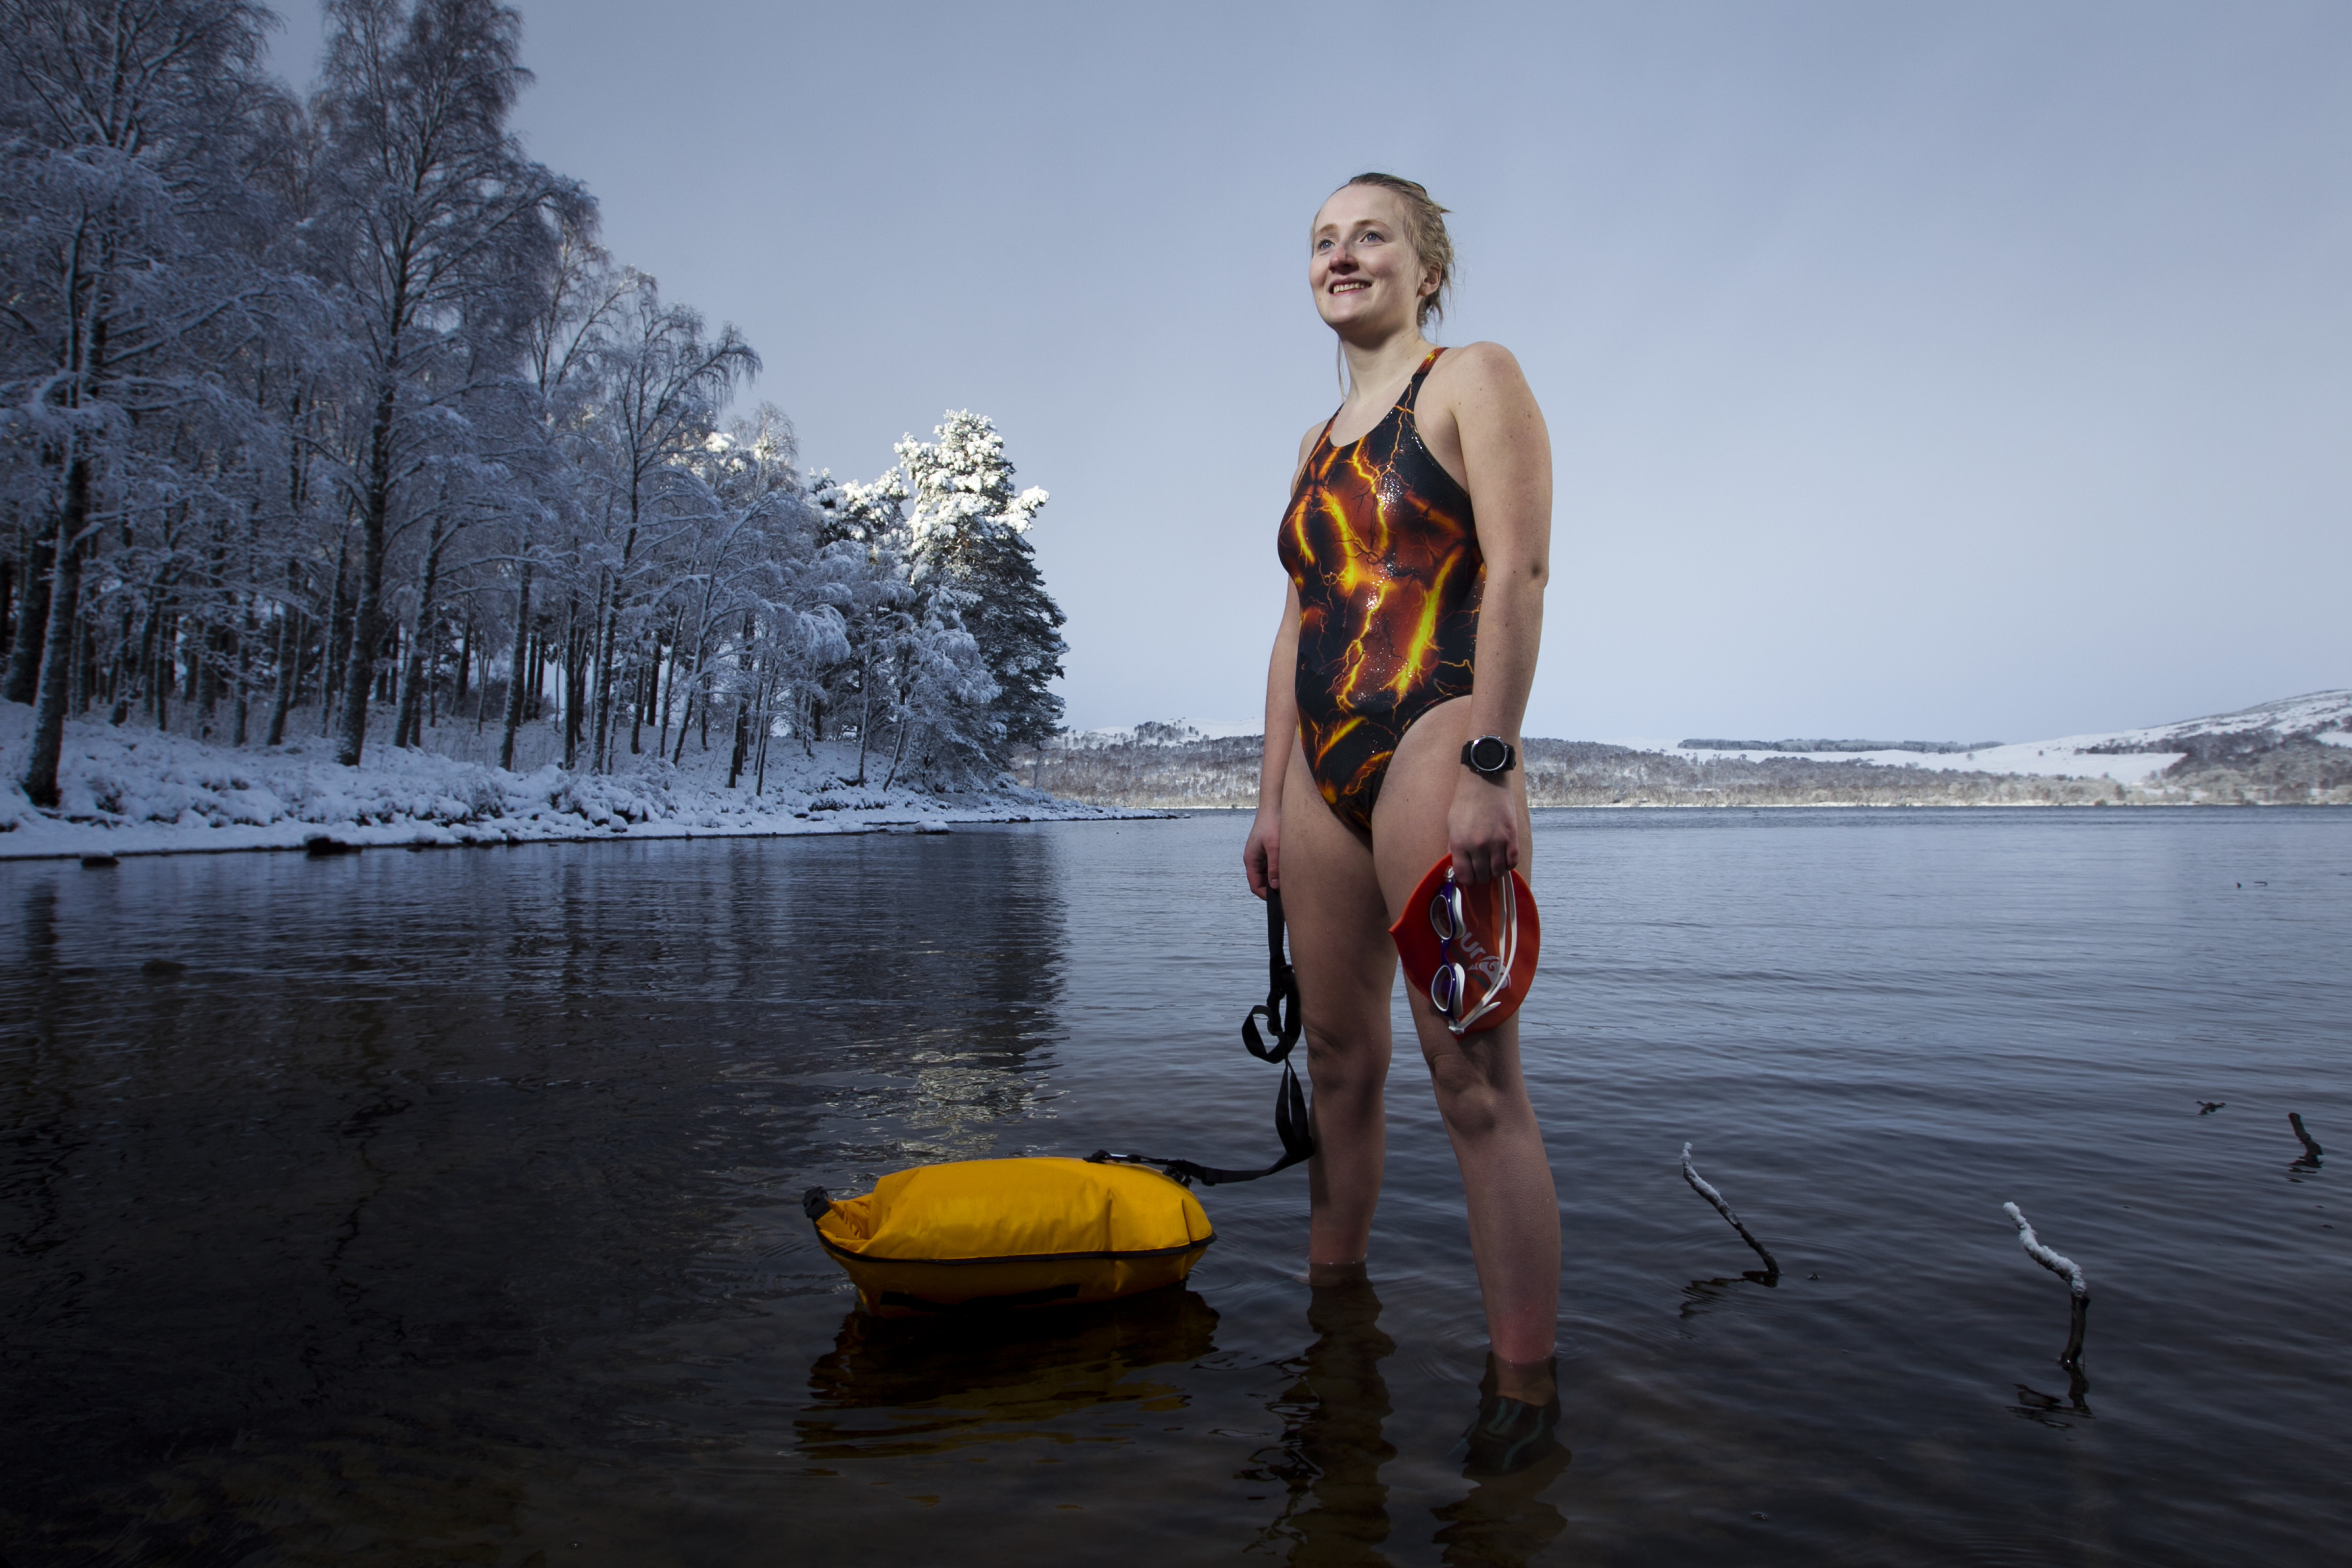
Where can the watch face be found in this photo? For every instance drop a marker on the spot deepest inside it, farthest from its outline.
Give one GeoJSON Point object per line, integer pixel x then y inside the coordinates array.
{"type": "Point", "coordinates": [1488, 754]}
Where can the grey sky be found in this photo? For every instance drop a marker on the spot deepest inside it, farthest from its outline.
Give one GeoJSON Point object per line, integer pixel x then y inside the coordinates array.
{"type": "Point", "coordinates": [1959, 371]}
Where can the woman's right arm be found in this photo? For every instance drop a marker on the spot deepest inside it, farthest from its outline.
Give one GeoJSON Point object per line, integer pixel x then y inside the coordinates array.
{"type": "Point", "coordinates": [1262, 855]}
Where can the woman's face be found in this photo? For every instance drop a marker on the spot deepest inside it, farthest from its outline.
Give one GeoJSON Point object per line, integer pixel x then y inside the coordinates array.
{"type": "Point", "coordinates": [1363, 271]}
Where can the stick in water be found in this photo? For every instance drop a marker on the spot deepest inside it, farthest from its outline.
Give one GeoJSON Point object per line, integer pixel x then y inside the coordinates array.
{"type": "Point", "coordinates": [1700, 1185]}
{"type": "Point", "coordinates": [2066, 1268]}
{"type": "Point", "coordinates": [2310, 1145]}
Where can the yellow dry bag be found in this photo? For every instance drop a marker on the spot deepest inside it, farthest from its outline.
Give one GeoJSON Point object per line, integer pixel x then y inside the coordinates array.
{"type": "Point", "coordinates": [982, 1234]}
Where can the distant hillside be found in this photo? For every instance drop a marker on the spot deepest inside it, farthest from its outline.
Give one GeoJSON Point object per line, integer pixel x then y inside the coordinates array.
{"type": "Point", "coordinates": [2294, 752]}
{"type": "Point", "coordinates": [1939, 747]}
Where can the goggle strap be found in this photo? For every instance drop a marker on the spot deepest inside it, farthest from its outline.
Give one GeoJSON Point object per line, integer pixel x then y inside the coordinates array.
{"type": "Point", "coordinates": [1510, 895]}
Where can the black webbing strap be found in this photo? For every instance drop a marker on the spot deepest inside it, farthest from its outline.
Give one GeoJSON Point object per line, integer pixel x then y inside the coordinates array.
{"type": "Point", "coordinates": [1280, 1011]}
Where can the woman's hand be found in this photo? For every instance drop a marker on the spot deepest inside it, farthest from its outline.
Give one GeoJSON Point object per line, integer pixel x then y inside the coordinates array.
{"type": "Point", "coordinates": [1482, 828]}
{"type": "Point", "coordinates": [1261, 854]}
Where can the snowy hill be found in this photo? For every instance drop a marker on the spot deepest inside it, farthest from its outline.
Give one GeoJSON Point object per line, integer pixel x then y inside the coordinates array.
{"type": "Point", "coordinates": [2126, 757]}
{"type": "Point", "coordinates": [2294, 751]}
{"type": "Point", "coordinates": [1174, 732]}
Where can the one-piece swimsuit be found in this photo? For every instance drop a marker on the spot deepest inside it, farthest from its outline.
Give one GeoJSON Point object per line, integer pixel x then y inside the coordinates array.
{"type": "Point", "coordinates": [1381, 543]}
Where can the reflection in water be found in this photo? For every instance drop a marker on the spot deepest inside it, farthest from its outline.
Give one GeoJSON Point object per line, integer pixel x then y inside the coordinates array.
{"type": "Point", "coordinates": [470, 1111]}
{"type": "Point", "coordinates": [2309, 1161]}
{"type": "Point", "coordinates": [1505, 1516]}
{"type": "Point", "coordinates": [1701, 1297]}
{"type": "Point", "coordinates": [937, 1384]}
{"type": "Point", "coordinates": [1331, 1449]}
{"type": "Point", "coordinates": [2048, 1408]}
{"type": "Point", "coordinates": [1505, 1519]}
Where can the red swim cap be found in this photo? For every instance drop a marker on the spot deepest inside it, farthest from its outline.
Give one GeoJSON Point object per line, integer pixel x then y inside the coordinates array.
{"type": "Point", "coordinates": [1498, 955]}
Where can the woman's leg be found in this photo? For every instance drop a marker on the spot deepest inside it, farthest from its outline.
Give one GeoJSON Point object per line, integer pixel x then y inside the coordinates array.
{"type": "Point", "coordinates": [1513, 1208]}
{"type": "Point", "coordinates": [1346, 966]}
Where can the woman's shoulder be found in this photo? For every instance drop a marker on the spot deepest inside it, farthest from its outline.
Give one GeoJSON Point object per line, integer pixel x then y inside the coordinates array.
{"type": "Point", "coordinates": [1478, 381]}
{"type": "Point", "coordinates": [1476, 363]}
{"type": "Point", "coordinates": [1306, 447]}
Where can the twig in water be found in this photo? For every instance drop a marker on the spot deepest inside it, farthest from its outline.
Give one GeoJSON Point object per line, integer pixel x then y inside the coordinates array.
{"type": "Point", "coordinates": [2066, 1268]}
{"type": "Point", "coordinates": [2310, 1145]}
{"type": "Point", "coordinates": [1700, 1185]}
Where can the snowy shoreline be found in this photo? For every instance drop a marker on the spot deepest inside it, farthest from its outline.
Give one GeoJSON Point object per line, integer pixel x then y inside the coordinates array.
{"type": "Point", "coordinates": [132, 791]}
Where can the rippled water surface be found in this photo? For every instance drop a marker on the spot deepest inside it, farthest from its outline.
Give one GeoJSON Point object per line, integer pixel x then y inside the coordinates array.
{"type": "Point", "coordinates": [420, 1208]}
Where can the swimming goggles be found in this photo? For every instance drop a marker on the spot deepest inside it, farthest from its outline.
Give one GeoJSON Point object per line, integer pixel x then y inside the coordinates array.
{"type": "Point", "coordinates": [1449, 988]}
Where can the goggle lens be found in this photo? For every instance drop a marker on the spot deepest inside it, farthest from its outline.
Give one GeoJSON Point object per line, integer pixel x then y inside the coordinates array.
{"type": "Point", "coordinates": [1447, 986]}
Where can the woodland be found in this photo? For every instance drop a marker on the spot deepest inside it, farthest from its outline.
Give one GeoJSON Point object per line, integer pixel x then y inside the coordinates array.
{"type": "Point", "coordinates": [327, 416]}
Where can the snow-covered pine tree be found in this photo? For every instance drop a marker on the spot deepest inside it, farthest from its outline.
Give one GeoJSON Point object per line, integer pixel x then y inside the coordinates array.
{"type": "Point", "coordinates": [970, 527]}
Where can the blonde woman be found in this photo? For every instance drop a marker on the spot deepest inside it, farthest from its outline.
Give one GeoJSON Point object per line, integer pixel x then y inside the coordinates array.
{"type": "Point", "coordinates": [1416, 543]}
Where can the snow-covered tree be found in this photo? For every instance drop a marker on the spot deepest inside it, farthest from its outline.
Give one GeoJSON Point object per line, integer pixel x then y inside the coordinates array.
{"type": "Point", "coordinates": [440, 238]}
{"type": "Point", "coordinates": [309, 409]}
{"type": "Point", "coordinates": [663, 382]}
{"type": "Point", "coordinates": [126, 124]}
{"type": "Point", "coordinates": [969, 536]}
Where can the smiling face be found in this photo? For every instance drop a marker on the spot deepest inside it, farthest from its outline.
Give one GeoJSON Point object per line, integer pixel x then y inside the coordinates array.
{"type": "Point", "coordinates": [1367, 279]}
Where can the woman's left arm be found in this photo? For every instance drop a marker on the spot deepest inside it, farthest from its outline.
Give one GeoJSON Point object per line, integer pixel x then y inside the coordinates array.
{"type": "Point", "coordinates": [1506, 458]}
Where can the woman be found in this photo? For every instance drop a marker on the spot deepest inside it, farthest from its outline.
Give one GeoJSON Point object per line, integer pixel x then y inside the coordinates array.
{"type": "Point", "coordinates": [1416, 540]}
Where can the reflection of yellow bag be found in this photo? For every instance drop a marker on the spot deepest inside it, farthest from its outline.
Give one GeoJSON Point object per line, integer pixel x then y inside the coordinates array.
{"type": "Point", "coordinates": [1011, 1233]}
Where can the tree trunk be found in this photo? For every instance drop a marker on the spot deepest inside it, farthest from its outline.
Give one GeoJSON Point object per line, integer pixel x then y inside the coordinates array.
{"type": "Point", "coordinates": [409, 729]}
{"type": "Point", "coordinates": [335, 640]}
{"type": "Point", "coordinates": [40, 780]}
{"type": "Point", "coordinates": [747, 665]}
{"type": "Point", "coordinates": [521, 670]}
{"type": "Point", "coordinates": [126, 653]}
{"type": "Point", "coordinates": [669, 692]}
{"type": "Point", "coordinates": [289, 656]}
{"type": "Point", "coordinates": [686, 715]}
{"type": "Point", "coordinates": [84, 665]}
{"type": "Point", "coordinates": [767, 727]}
{"type": "Point", "coordinates": [865, 718]}
{"type": "Point", "coordinates": [575, 685]}
{"type": "Point", "coordinates": [350, 742]}
{"type": "Point", "coordinates": [149, 630]}
{"type": "Point", "coordinates": [650, 667]}
{"type": "Point", "coordinates": [904, 726]}
{"type": "Point", "coordinates": [244, 673]}
{"type": "Point", "coordinates": [32, 619]}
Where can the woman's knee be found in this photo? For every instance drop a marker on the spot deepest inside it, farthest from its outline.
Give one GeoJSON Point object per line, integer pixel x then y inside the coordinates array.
{"type": "Point", "coordinates": [1474, 1100]}
{"type": "Point", "coordinates": [1340, 1061]}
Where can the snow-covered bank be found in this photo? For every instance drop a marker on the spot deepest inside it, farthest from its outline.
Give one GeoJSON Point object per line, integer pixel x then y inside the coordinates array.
{"type": "Point", "coordinates": [138, 791]}
{"type": "Point", "coordinates": [2125, 756]}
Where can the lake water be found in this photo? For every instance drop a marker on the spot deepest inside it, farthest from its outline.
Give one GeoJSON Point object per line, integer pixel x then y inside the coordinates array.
{"type": "Point", "coordinates": [442, 1207]}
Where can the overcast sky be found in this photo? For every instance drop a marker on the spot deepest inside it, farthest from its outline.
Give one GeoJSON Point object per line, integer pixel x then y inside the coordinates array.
{"type": "Point", "coordinates": [1937, 371]}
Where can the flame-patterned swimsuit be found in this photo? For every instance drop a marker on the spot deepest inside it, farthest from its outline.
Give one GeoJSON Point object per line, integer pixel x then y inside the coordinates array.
{"type": "Point", "coordinates": [1381, 547]}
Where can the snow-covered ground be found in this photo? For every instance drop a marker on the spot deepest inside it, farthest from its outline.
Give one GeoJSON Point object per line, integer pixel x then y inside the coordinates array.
{"type": "Point", "coordinates": [137, 791]}
{"type": "Point", "coordinates": [2126, 757]}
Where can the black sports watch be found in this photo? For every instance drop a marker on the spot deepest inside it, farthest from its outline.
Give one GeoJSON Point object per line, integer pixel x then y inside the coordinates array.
{"type": "Point", "coordinates": [1491, 756]}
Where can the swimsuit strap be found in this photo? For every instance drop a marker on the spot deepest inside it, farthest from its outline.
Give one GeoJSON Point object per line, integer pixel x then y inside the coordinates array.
{"type": "Point", "coordinates": [1411, 396]}
{"type": "Point", "coordinates": [1413, 387]}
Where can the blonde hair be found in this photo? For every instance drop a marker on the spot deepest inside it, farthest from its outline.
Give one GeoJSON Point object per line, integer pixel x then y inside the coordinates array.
{"type": "Point", "coordinates": [1424, 226]}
